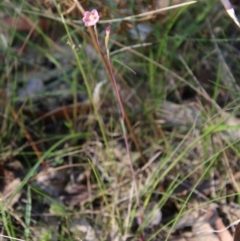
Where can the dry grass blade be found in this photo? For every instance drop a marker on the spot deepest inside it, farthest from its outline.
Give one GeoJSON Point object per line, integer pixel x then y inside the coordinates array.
{"type": "Point", "coordinates": [229, 8]}
{"type": "Point", "coordinates": [10, 238]}
{"type": "Point", "coordinates": [149, 13]}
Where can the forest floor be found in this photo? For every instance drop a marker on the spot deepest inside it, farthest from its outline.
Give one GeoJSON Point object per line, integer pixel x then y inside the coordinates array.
{"type": "Point", "coordinates": [135, 137]}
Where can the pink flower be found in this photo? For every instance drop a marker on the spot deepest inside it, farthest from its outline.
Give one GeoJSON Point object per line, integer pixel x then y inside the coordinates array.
{"type": "Point", "coordinates": [90, 18]}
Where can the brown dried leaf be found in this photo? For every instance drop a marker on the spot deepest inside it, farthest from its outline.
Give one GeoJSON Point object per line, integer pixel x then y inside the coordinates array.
{"type": "Point", "coordinates": [75, 194]}
{"type": "Point", "coordinates": [237, 233]}
{"type": "Point", "coordinates": [9, 190]}
{"type": "Point", "coordinates": [224, 235]}
{"type": "Point", "coordinates": [52, 181]}
{"type": "Point", "coordinates": [80, 227]}
{"type": "Point", "coordinates": [10, 180]}
{"type": "Point", "coordinates": [204, 225]}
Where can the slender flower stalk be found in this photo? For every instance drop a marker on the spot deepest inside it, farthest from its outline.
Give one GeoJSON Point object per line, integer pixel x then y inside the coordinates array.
{"type": "Point", "coordinates": [124, 118]}
{"type": "Point", "coordinates": [106, 65]}
{"type": "Point", "coordinates": [96, 33]}
{"type": "Point", "coordinates": [122, 121]}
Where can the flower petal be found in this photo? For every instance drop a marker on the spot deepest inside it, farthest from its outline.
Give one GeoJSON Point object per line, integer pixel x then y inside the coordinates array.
{"type": "Point", "coordinates": [90, 18]}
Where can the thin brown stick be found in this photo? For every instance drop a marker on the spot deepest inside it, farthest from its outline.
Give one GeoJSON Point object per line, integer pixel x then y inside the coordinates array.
{"type": "Point", "coordinates": [29, 138]}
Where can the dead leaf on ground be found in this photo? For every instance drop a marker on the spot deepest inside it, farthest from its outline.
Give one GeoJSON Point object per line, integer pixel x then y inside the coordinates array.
{"type": "Point", "coordinates": [81, 228]}
{"type": "Point", "coordinates": [75, 194]}
{"type": "Point", "coordinates": [205, 224]}
{"type": "Point", "coordinates": [11, 174]}
{"type": "Point", "coordinates": [9, 190]}
{"type": "Point", "coordinates": [52, 181]}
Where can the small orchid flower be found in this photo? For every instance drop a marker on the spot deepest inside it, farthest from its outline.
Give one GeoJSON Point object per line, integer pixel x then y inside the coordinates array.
{"type": "Point", "coordinates": [90, 18]}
